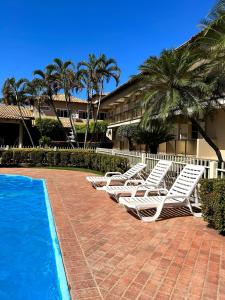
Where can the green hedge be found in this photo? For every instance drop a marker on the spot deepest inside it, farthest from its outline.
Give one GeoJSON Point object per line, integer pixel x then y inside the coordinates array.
{"type": "Point", "coordinates": [212, 194]}
{"type": "Point", "coordinates": [64, 158]}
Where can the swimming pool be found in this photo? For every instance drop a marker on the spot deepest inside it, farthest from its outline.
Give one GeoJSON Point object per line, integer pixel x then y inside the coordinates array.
{"type": "Point", "coordinates": [30, 260]}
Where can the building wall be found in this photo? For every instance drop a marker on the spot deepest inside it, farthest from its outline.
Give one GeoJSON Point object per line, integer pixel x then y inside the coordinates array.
{"type": "Point", "coordinates": [49, 112]}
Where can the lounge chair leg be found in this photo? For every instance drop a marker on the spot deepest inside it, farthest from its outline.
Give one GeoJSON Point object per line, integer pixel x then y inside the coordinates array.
{"type": "Point", "coordinates": [153, 218]}
{"type": "Point", "coordinates": [197, 215]}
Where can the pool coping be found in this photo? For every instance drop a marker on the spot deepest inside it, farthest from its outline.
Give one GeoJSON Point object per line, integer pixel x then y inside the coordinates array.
{"type": "Point", "coordinates": [61, 272]}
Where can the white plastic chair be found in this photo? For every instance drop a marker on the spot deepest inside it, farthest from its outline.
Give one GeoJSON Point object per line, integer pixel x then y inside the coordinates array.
{"type": "Point", "coordinates": [154, 181]}
{"type": "Point", "coordinates": [99, 181]}
{"type": "Point", "coordinates": [178, 195]}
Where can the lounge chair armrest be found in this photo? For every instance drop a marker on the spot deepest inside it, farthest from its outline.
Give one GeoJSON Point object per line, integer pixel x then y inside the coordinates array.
{"type": "Point", "coordinates": [156, 190]}
{"type": "Point", "coordinates": [109, 174]}
{"type": "Point", "coordinates": [134, 182]}
{"type": "Point", "coordinates": [176, 196]}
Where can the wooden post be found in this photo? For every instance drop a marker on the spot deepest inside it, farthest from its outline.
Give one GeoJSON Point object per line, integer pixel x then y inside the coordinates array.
{"type": "Point", "coordinates": [20, 135]}
{"type": "Point", "coordinates": [213, 165]}
{"type": "Point", "coordinates": [143, 157]}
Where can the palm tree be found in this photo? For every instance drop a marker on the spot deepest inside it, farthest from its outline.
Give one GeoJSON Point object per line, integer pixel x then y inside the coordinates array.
{"type": "Point", "coordinates": [67, 78]}
{"type": "Point", "coordinates": [51, 85]}
{"type": "Point", "coordinates": [14, 92]}
{"type": "Point", "coordinates": [107, 70]}
{"type": "Point", "coordinates": [87, 76]}
{"type": "Point", "coordinates": [178, 81]}
{"type": "Point", "coordinates": [35, 90]}
{"type": "Point", "coordinates": [154, 133]}
{"type": "Point", "coordinates": [212, 38]}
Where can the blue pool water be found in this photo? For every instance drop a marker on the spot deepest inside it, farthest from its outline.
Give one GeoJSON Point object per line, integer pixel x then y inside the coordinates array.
{"type": "Point", "coordinates": [30, 259]}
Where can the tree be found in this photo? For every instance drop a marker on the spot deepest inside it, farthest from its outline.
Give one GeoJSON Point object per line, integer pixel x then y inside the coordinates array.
{"type": "Point", "coordinates": [178, 82]}
{"type": "Point", "coordinates": [64, 71]}
{"type": "Point", "coordinates": [87, 76]}
{"type": "Point", "coordinates": [212, 38]}
{"type": "Point", "coordinates": [106, 71]}
{"type": "Point", "coordinates": [49, 127]}
{"type": "Point", "coordinates": [51, 85]}
{"type": "Point", "coordinates": [128, 132]}
{"type": "Point", "coordinates": [14, 92]}
{"type": "Point", "coordinates": [35, 90]}
{"type": "Point", "coordinates": [153, 134]}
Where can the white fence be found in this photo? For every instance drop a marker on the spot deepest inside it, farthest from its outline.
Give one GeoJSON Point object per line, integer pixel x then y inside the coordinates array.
{"type": "Point", "coordinates": [212, 168]}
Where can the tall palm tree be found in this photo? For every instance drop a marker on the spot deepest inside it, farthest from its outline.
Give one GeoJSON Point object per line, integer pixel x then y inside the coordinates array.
{"type": "Point", "coordinates": [51, 85]}
{"type": "Point", "coordinates": [35, 90]}
{"type": "Point", "coordinates": [107, 70]}
{"type": "Point", "coordinates": [67, 78]}
{"type": "Point", "coordinates": [212, 38]}
{"type": "Point", "coordinates": [87, 75]}
{"type": "Point", "coordinates": [177, 82]}
{"type": "Point", "coordinates": [14, 92]}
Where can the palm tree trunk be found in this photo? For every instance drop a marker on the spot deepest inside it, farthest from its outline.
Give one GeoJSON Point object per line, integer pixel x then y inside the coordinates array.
{"type": "Point", "coordinates": [25, 125]}
{"type": "Point", "coordinates": [39, 113]}
{"type": "Point", "coordinates": [53, 106]}
{"type": "Point", "coordinates": [71, 121]}
{"type": "Point", "coordinates": [88, 119]}
{"type": "Point", "coordinates": [97, 113]}
{"type": "Point", "coordinates": [208, 139]}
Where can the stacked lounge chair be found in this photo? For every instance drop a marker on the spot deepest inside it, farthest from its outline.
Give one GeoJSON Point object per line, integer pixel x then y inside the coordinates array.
{"type": "Point", "coordinates": [98, 182]}
{"type": "Point", "coordinates": [154, 181]}
{"type": "Point", "coordinates": [178, 195]}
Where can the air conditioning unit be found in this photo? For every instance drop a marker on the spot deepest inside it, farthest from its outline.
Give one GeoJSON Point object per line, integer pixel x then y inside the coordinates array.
{"type": "Point", "coordinates": [75, 116]}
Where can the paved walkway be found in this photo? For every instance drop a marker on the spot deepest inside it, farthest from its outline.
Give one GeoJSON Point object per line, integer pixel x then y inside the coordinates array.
{"type": "Point", "coordinates": [109, 254]}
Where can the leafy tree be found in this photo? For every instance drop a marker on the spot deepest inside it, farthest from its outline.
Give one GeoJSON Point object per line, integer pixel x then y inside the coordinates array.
{"type": "Point", "coordinates": [153, 134]}
{"type": "Point", "coordinates": [14, 92]}
{"type": "Point", "coordinates": [179, 82]}
{"type": "Point", "coordinates": [128, 132]}
{"type": "Point", "coordinates": [49, 127]}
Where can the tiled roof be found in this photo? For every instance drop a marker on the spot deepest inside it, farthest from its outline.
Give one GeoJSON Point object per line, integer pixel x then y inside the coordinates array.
{"type": "Point", "coordinates": [12, 112]}
{"type": "Point", "coordinates": [61, 97]}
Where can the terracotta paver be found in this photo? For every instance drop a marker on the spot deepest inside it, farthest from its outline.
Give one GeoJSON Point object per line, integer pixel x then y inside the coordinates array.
{"type": "Point", "coordinates": [110, 254]}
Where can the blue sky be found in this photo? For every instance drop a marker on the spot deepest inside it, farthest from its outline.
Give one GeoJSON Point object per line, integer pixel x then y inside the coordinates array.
{"type": "Point", "coordinates": [33, 32]}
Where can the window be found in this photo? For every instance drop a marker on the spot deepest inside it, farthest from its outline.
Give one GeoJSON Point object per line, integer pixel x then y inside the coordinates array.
{"type": "Point", "coordinates": [83, 114]}
{"type": "Point", "coordinates": [102, 116]}
{"type": "Point", "coordinates": [62, 113]}
{"type": "Point", "coordinates": [194, 132]}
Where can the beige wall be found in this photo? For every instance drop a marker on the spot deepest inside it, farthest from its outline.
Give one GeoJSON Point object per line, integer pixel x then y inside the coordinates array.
{"type": "Point", "coordinates": [75, 107]}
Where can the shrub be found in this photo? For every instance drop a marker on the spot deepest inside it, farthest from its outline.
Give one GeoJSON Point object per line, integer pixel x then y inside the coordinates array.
{"type": "Point", "coordinates": [7, 157]}
{"type": "Point", "coordinates": [212, 194]}
{"type": "Point", "coordinates": [49, 127]}
{"type": "Point", "coordinates": [77, 158]}
{"type": "Point", "coordinates": [52, 158]}
{"type": "Point", "coordinates": [37, 157]}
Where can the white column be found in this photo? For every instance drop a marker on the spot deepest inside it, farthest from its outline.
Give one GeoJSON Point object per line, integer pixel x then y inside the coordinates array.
{"type": "Point", "coordinates": [20, 135]}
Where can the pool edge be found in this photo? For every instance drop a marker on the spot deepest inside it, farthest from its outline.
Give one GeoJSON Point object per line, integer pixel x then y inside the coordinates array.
{"type": "Point", "coordinates": [61, 271]}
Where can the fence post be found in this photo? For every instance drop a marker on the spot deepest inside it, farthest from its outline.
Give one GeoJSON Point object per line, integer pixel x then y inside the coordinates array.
{"type": "Point", "coordinates": [213, 169]}
{"type": "Point", "coordinates": [143, 157]}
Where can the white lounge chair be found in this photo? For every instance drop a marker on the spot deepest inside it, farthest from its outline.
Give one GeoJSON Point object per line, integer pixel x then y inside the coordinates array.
{"type": "Point", "coordinates": [178, 195]}
{"type": "Point", "coordinates": [98, 181]}
{"type": "Point", "coordinates": [154, 181]}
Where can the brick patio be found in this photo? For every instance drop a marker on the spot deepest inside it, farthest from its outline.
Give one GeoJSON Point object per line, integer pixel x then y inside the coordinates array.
{"type": "Point", "coordinates": [109, 254]}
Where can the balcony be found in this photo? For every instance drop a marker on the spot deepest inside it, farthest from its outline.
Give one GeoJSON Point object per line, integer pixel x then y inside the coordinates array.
{"type": "Point", "coordinates": [128, 115]}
